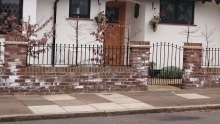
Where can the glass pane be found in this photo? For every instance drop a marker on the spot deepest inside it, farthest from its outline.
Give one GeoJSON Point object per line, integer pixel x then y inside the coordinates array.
{"type": "Point", "coordinates": [80, 7]}
{"type": "Point", "coordinates": [167, 10]}
{"type": "Point", "coordinates": [11, 7]}
{"type": "Point", "coordinates": [185, 11]}
{"type": "Point", "coordinates": [112, 14]}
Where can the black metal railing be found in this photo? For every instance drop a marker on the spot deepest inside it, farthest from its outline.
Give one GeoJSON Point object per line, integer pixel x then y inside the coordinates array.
{"type": "Point", "coordinates": [165, 66]}
{"type": "Point", "coordinates": [80, 55]}
{"type": "Point", "coordinates": [210, 57]}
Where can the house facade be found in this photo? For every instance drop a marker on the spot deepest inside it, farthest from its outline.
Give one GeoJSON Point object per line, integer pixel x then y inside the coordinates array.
{"type": "Point", "coordinates": [177, 16]}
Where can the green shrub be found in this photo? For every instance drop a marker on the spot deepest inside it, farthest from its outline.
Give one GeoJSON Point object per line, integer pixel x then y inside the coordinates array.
{"type": "Point", "coordinates": [151, 67]}
{"type": "Point", "coordinates": [171, 72]}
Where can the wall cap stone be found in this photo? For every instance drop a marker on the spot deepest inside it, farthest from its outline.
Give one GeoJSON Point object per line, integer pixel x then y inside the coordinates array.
{"type": "Point", "coordinates": [192, 47]}
{"type": "Point", "coordinates": [16, 43]}
{"type": "Point", "coordinates": [140, 46]}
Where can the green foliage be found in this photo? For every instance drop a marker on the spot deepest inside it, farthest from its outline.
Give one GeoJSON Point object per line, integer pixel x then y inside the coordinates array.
{"type": "Point", "coordinates": [151, 67]}
{"type": "Point", "coordinates": [154, 23]}
{"type": "Point", "coordinates": [171, 72]}
{"type": "Point", "coordinates": [100, 17]}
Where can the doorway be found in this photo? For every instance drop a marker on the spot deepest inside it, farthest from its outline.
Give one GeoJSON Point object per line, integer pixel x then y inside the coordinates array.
{"type": "Point", "coordinates": [115, 14]}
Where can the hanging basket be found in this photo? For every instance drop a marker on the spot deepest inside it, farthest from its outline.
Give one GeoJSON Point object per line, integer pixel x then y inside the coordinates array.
{"type": "Point", "coordinates": [99, 20]}
{"type": "Point", "coordinates": [154, 23]}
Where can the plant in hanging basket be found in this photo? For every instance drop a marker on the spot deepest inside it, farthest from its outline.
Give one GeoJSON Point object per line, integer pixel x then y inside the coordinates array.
{"type": "Point", "coordinates": [100, 17]}
{"type": "Point", "coordinates": [154, 22]}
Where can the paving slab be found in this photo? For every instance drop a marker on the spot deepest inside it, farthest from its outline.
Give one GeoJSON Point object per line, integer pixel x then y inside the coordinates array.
{"type": "Point", "coordinates": [90, 98]}
{"type": "Point", "coordinates": [12, 108]}
{"type": "Point", "coordinates": [22, 97]}
{"type": "Point", "coordinates": [161, 103]}
{"type": "Point", "coordinates": [196, 102]}
{"type": "Point", "coordinates": [36, 102]}
{"type": "Point", "coordinates": [192, 96]}
{"type": "Point", "coordinates": [110, 95]}
{"type": "Point", "coordinates": [46, 109]}
{"type": "Point", "coordinates": [214, 95]}
{"type": "Point", "coordinates": [8, 99]}
{"type": "Point", "coordinates": [69, 103]}
{"type": "Point", "coordinates": [143, 97]}
{"type": "Point", "coordinates": [137, 106]}
{"type": "Point", "coordinates": [84, 108]}
{"type": "Point", "coordinates": [58, 97]}
{"type": "Point", "coordinates": [108, 106]}
{"type": "Point", "coordinates": [151, 93]}
{"type": "Point", "coordinates": [207, 91]}
{"type": "Point", "coordinates": [123, 100]}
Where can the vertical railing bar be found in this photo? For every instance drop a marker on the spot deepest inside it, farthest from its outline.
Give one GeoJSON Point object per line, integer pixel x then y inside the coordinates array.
{"type": "Point", "coordinates": [84, 59]}
{"type": "Point", "coordinates": [64, 54]}
{"type": "Point", "coordinates": [171, 63]}
{"type": "Point", "coordinates": [89, 56]}
{"type": "Point", "coordinates": [68, 58]}
{"type": "Point", "coordinates": [168, 56]}
{"type": "Point", "coordinates": [56, 56]}
{"type": "Point", "coordinates": [152, 71]}
{"type": "Point", "coordinates": [76, 54]}
{"type": "Point", "coordinates": [60, 60]}
{"type": "Point", "coordinates": [164, 60]}
{"type": "Point", "coordinates": [34, 54]}
{"type": "Point", "coordinates": [93, 50]}
{"type": "Point", "coordinates": [161, 45]}
{"type": "Point", "coordinates": [72, 55]}
{"type": "Point", "coordinates": [175, 63]}
{"type": "Point", "coordinates": [218, 57]}
{"type": "Point", "coordinates": [43, 55]}
{"type": "Point", "coordinates": [38, 54]}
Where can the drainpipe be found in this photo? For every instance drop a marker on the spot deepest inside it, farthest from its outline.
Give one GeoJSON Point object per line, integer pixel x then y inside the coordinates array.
{"type": "Point", "coordinates": [54, 32]}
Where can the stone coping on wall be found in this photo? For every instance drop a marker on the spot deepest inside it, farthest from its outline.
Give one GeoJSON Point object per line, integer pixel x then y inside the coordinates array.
{"type": "Point", "coordinates": [192, 46]}
{"type": "Point", "coordinates": [15, 43]}
{"type": "Point", "coordinates": [140, 46]}
{"type": "Point", "coordinates": [10, 38]}
{"type": "Point", "coordinates": [139, 42]}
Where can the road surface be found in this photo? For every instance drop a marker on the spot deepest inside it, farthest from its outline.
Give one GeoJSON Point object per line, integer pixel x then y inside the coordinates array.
{"type": "Point", "coordinates": [193, 117]}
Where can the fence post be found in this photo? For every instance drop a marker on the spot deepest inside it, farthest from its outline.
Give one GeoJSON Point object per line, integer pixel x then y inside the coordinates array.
{"type": "Point", "coordinates": [192, 64]}
{"type": "Point", "coordinates": [15, 58]}
{"type": "Point", "coordinates": [139, 59]}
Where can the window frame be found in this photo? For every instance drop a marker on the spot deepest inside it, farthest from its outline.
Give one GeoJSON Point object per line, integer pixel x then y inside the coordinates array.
{"type": "Point", "coordinates": [176, 13]}
{"type": "Point", "coordinates": [79, 15]}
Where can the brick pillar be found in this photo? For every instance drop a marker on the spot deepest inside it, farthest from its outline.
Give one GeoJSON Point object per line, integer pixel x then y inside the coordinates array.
{"type": "Point", "coordinates": [139, 58]}
{"type": "Point", "coordinates": [192, 63]}
{"type": "Point", "coordinates": [15, 58]}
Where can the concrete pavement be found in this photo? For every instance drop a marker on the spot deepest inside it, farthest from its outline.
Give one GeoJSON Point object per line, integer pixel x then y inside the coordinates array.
{"type": "Point", "coordinates": [103, 104]}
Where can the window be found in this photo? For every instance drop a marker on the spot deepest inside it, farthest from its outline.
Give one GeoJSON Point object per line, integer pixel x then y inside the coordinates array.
{"type": "Point", "coordinates": [12, 7]}
{"type": "Point", "coordinates": [80, 8]}
{"type": "Point", "coordinates": [112, 14]}
{"type": "Point", "coordinates": [177, 11]}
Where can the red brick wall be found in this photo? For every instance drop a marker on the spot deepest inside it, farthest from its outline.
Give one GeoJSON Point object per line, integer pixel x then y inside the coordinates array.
{"type": "Point", "coordinates": [196, 76]}
{"type": "Point", "coordinates": [19, 79]}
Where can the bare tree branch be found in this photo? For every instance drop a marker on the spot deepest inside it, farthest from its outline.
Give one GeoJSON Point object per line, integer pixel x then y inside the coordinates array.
{"type": "Point", "coordinates": [188, 32]}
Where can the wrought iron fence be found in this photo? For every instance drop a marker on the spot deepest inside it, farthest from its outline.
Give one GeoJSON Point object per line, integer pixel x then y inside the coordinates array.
{"type": "Point", "coordinates": [165, 66]}
{"type": "Point", "coordinates": [210, 57]}
{"type": "Point", "coordinates": [80, 55]}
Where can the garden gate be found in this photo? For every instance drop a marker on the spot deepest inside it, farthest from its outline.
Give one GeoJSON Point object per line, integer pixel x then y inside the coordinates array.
{"type": "Point", "coordinates": [165, 64]}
